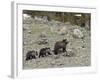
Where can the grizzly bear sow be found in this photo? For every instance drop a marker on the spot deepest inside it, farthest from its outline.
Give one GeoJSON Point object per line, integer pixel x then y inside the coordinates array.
{"type": "Point", "coordinates": [60, 46]}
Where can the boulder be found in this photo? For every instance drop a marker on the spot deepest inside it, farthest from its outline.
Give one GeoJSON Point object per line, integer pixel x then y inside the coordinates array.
{"type": "Point", "coordinates": [42, 19]}
{"type": "Point", "coordinates": [27, 19]}
{"type": "Point", "coordinates": [42, 39]}
{"type": "Point", "coordinates": [77, 34]}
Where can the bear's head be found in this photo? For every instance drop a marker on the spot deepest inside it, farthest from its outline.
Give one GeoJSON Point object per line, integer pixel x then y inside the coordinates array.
{"type": "Point", "coordinates": [65, 41]}
{"type": "Point", "coordinates": [48, 50]}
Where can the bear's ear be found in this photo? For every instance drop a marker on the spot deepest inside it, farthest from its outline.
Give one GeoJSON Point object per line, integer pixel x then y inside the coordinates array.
{"type": "Point", "coordinates": [47, 47]}
{"type": "Point", "coordinates": [65, 40]}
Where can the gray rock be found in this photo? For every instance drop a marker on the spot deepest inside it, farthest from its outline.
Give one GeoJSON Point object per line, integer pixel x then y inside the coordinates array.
{"type": "Point", "coordinates": [42, 41]}
{"type": "Point", "coordinates": [77, 33]}
{"type": "Point", "coordinates": [27, 19]}
{"type": "Point", "coordinates": [70, 52]}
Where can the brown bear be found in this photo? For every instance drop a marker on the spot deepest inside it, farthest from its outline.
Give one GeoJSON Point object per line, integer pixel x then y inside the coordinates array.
{"type": "Point", "coordinates": [45, 52]}
{"type": "Point", "coordinates": [31, 55]}
{"type": "Point", "coordinates": [60, 46]}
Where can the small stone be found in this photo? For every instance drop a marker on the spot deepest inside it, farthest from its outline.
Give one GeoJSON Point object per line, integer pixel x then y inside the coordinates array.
{"type": "Point", "coordinates": [83, 46]}
{"type": "Point", "coordinates": [53, 63]}
{"type": "Point", "coordinates": [70, 52]}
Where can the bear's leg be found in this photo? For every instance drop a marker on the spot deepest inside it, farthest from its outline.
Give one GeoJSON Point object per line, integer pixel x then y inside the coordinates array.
{"type": "Point", "coordinates": [55, 52]}
{"type": "Point", "coordinates": [34, 57]}
{"type": "Point", "coordinates": [64, 49]}
{"type": "Point", "coordinates": [31, 57]}
{"type": "Point", "coordinates": [44, 54]}
{"type": "Point", "coordinates": [39, 55]}
{"type": "Point", "coordinates": [27, 58]}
